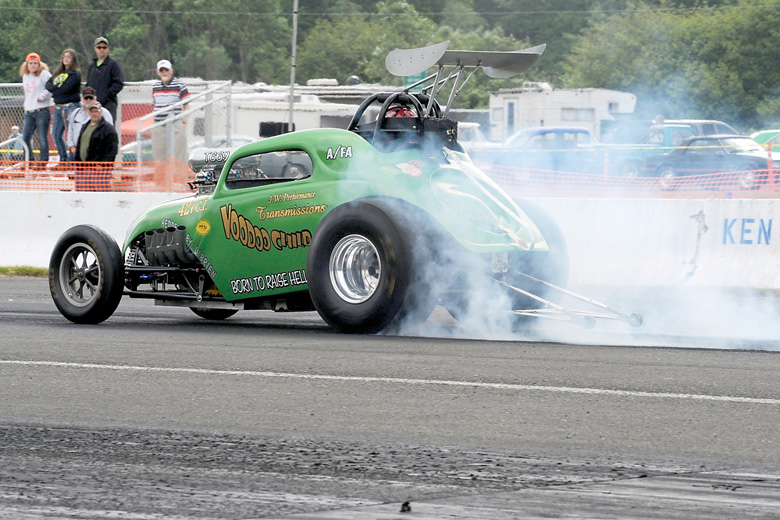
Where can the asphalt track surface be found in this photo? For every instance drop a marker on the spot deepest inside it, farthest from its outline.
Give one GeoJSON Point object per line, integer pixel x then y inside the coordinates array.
{"type": "Point", "coordinates": [158, 414]}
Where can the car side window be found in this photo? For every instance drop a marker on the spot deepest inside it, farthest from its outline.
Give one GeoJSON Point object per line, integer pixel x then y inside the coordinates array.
{"type": "Point", "coordinates": [708, 129]}
{"type": "Point", "coordinates": [695, 147]}
{"type": "Point", "coordinates": [723, 128]}
{"type": "Point", "coordinates": [656, 137]}
{"type": "Point", "coordinates": [572, 139]}
{"type": "Point", "coordinates": [268, 168]}
{"type": "Point", "coordinates": [680, 134]}
{"type": "Point", "coordinates": [542, 141]}
{"type": "Point", "coordinates": [705, 147]}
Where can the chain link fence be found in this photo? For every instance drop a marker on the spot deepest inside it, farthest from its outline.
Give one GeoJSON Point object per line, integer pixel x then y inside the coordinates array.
{"type": "Point", "coordinates": [208, 116]}
{"type": "Point", "coordinates": [205, 121]}
{"type": "Point", "coordinates": [12, 113]}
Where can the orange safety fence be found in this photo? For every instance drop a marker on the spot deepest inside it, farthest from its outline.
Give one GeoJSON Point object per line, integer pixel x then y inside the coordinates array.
{"type": "Point", "coordinates": [166, 176]}
{"type": "Point", "coordinates": [173, 175]}
{"type": "Point", "coordinates": [529, 182]}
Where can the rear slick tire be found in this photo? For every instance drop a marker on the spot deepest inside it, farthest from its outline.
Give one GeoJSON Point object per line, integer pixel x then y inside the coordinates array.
{"type": "Point", "coordinates": [359, 267]}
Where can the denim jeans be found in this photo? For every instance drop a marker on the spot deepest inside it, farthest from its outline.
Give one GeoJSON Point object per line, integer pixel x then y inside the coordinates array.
{"type": "Point", "coordinates": [58, 125]}
{"type": "Point", "coordinates": [37, 120]}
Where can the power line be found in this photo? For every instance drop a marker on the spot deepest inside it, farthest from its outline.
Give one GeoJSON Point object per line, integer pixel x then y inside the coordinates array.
{"type": "Point", "coordinates": [772, 5]}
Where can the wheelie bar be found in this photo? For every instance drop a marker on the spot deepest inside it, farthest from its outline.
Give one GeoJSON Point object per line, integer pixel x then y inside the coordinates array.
{"type": "Point", "coordinates": [555, 311]}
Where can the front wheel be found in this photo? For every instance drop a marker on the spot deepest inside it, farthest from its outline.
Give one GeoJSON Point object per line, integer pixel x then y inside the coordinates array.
{"type": "Point", "coordinates": [630, 169]}
{"type": "Point", "coordinates": [360, 268]}
{"type": "Point", "coordinates": [666, 177]}
{"type": "Point", "coordinates": [86, 275]}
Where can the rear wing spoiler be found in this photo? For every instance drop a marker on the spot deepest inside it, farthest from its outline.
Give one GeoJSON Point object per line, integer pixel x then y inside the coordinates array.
{"type": "Point", "coordinates": [495, 64]}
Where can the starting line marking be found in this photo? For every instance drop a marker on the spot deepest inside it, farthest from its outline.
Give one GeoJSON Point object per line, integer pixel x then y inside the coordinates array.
{"type": "Point", "coordinates": [401, 381]}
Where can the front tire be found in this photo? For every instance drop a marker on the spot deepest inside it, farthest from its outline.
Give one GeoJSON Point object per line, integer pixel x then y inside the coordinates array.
{"type": "Point", "coordinates": [360, 267]}
{"type": "Point", "coordinates": [629, 169]}
{"type": "Point", "coordinates": [666, 176]}
{"type": "Point", "coordinates": [86, 275]}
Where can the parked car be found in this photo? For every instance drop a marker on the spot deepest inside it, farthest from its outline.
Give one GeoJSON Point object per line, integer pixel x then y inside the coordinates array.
{"type": "Point", "coordinates": [765, 136]}
{"type": "Point", "coordinates": [626, 159]}
{"type": "Point", "coordinates": [470, 136]}
{"type": "Point", "coordinates": [552, 148]}
{"type": "Point", "coordinates": [773, 143]}
{"type": "Point", "coordinates": [701, 155]}
{"type": "Point", "coordinates": [705, 126]}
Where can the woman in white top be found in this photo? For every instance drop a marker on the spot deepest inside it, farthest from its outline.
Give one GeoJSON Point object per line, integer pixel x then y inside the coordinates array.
{"type": "Point", "coordinates": [37, 101]}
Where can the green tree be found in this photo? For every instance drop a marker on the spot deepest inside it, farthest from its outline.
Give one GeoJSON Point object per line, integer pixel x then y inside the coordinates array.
{"type": "Point", "coordinates": [709, 63]}
{"type": "Point", "coordinates": [358, 45]}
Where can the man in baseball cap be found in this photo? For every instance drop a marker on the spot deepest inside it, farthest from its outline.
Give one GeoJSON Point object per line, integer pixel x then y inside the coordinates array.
{"type": "Point", "coordinates": [169, 91]}
{"type": "Point", "coordinates": [79, 117]}
{"type": "Point", "coordinates": [105, 76]}
{"type": "Point", "coordinates": [15, 145]}
{"type": "Point", "coordinates": [97, 142]}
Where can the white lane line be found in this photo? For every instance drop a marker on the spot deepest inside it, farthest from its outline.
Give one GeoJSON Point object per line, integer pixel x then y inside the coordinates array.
{"type": "Point", "coordinates": [400, 381]}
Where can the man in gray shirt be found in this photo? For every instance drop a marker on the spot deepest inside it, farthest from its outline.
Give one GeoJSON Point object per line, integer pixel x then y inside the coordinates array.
{"type": "Point", "coordinates": [80, 117]}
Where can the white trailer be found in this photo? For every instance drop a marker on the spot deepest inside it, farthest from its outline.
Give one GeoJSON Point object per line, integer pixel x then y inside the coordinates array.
{"type": "Point", "coordinates": [538, 104]}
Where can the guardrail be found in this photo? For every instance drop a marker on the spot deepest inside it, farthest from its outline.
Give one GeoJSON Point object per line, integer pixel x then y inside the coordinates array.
{"type": "Point", "coordinates": [5, 151]}
{"type": "Point", "coordinates": [206, 108]}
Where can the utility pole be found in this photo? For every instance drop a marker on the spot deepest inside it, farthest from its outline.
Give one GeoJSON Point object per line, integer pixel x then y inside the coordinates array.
{"type": "Point", "coordinates": [292, 66]}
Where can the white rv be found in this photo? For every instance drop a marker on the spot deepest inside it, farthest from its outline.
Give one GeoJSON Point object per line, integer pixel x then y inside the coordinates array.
{"type": "Point", "coordinates": [538, 104]}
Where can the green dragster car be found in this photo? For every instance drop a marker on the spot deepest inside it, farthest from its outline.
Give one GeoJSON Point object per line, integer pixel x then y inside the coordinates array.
{"type": "Point", "coordinates": [370, 226]}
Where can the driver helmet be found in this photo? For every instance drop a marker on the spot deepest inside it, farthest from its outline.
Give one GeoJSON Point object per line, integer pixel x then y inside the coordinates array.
{"type": "Point", "coordinates": [401, 111]}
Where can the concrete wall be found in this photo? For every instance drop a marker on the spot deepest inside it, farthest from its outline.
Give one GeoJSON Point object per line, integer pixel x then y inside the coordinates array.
{"type": "Point", "coordinates": [33, 221]}
{"type": "Point", "coordinates": [707, 243]}
{"type": "Point", "coordinates": [712, 243]}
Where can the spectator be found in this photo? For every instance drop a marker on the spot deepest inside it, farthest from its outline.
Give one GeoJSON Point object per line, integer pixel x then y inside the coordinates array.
{"type": "Point", "coordinates": [166, 92]}
{"type": "Point", "coordinates": [64, 85]}
{"type": "Point", "coordinates": [105, 76]}
{"type": "Point", "coordinates": [15, 145]}
{"type": "Point", "coordinates": [97, 143]}
{"type": "Point", "coordinates": [37, 100]}
{"type": "Point", "coordinates": [80, 117]}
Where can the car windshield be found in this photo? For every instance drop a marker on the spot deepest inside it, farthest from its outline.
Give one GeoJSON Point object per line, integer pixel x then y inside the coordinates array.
{"type": "Point", "coordinates": [517, 140]}
{"type": "Point", "coordinates": [737, 144]}
{"type": "Point", "coordinates": [470, 133]}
